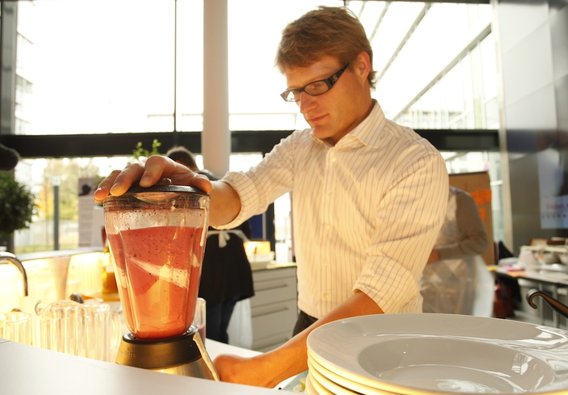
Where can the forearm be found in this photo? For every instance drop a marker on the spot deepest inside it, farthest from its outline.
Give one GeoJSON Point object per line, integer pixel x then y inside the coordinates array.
{"type": "Point", "coordinates": [271, 368]}
{"type": "Point", "coordinates": [292, 356]}
{"type": "Point", "coordinates": [225, 204]}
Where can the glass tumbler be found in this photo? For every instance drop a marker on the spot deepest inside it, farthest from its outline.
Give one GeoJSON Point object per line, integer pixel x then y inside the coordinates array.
{"type": "Point", "coordinates": [16, 326]}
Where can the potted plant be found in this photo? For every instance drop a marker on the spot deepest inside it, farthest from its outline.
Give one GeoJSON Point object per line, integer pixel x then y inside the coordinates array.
{"type": "Point", "coordinates": [17, 206]}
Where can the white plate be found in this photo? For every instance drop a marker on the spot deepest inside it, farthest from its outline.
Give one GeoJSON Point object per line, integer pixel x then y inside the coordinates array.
{"type": "Point", "coordinates": [328, 384]}
{"type": "Point", "coordinates": [313, 387]}
{"type": "Point", "coordinates": [339, 385]}
{"type": "Point", "coordinates": [346, 386]}
{"type": "Point", "coordinates": [445, 353]}
{"type": "Point", "coordinates": [310, 390]}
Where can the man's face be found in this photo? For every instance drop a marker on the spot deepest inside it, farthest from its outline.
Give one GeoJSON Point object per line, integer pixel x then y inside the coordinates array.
{"type": "Point", "coordinates": [336, 112]}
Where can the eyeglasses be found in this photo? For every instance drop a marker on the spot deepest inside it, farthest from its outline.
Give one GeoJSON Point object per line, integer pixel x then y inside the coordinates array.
{"type": "Point", "coordinates": [314, 88]}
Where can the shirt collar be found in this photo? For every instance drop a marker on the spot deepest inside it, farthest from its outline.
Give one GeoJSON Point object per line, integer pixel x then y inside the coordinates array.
{"type": "Point", "coordinates": [367, 132]}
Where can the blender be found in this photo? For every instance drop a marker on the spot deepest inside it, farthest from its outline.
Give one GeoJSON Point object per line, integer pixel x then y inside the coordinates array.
{"type": "Point", "coordinates": [157, 237]}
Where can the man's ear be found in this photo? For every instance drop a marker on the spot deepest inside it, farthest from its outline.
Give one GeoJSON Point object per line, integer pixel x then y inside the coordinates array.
{"type": "Point", "coordinates": [362, 65]}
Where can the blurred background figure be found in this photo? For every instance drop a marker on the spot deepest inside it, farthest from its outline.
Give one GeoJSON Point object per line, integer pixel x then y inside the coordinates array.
{"type": "Point", "coordinates": [456, 279]}
{"type": "Point", "coordinates": [8, 158]}
{"type": "Point", "coordinates": [226, 276]}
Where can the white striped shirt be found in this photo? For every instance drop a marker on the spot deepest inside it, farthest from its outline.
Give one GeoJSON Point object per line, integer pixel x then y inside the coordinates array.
{"type": "Point", "coordinates": [366, 212]}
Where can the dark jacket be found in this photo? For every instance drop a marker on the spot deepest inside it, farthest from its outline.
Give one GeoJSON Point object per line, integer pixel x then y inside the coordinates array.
{"type": "Point", "coordinates": [226, 272]}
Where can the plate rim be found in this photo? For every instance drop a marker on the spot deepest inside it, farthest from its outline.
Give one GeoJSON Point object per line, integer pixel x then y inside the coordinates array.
{"type": "Point", "coordinates": [361, 375]}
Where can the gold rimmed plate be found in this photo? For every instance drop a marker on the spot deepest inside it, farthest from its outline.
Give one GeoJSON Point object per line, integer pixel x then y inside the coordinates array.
{"type": "Point", "coordinates": [422, 354]}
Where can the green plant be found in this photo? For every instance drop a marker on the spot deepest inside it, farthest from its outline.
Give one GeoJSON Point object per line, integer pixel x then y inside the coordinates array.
{"type": "Point", "coordinates": [140, 151]}
{"type": "Point", "coordinates": [17, 205]}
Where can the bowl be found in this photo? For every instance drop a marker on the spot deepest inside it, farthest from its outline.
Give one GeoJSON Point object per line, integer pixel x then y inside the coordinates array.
{"type": "Point", "coordinates": [563, 257]}
{"type": "Point", "coordinates": [546, 257]}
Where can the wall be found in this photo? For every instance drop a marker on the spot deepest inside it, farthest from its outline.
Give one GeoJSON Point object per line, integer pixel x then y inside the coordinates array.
{"type": "Point", "coordinates": [533, 53]}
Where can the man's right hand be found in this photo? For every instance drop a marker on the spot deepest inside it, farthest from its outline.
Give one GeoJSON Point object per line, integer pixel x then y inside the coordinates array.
{"type": "Point", "coordinates": [154, 170]}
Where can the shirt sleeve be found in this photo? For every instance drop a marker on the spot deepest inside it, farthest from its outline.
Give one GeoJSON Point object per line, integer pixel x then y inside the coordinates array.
{"type": "Point", "coordinates": [411, 215]}
{"type": "Point", "coordinates": [262, 184]}
{"type": "Point", "coordinates": [473, 238]}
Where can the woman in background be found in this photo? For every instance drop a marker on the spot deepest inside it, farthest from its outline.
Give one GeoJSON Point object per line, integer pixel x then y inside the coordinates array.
{"type": "Point", "coordinates": [456, 279]}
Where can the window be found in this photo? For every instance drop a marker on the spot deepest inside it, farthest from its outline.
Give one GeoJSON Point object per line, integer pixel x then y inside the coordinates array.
{"type": "Point", "coordinates": [136, 66]}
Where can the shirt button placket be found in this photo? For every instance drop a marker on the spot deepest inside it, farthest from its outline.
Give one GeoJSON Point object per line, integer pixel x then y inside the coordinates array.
{"type": "Point", "coordinates": [327, 203]}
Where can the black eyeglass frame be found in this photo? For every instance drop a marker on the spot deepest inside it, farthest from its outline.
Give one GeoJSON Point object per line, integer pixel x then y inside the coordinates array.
{"type": "Point", "coordinates": [293, 95]}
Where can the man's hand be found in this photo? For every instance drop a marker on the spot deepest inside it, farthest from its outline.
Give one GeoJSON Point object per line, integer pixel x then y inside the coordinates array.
{"type": "Point", "coordinates": [291, 358]}
{"type": "Point", "coordinates": [155, 169]}
{"type": "Point", "coordinates": [258, 371]}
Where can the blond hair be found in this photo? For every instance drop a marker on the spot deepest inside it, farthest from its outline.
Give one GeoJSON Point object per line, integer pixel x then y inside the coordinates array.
{"type": "Point", "coordinates": [326, 31]}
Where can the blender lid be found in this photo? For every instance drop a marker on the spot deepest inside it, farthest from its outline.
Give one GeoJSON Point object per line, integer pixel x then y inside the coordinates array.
{"type": "Point", "coordinates": [136, 189]}
{"type": "Point", "coordinates": [161, 193]}
{"type": "Point", "coordinates": [157, 194]}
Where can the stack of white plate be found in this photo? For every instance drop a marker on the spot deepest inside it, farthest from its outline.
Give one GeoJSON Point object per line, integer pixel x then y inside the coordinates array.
{"type": "Point", "coordinates": [419, 354]}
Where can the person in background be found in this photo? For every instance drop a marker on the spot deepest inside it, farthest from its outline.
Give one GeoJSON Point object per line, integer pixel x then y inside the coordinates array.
{"type": "Point", "coordinates": [456, 280]}
{"type": "Point", "coordinates": [226, 276]}
{"type": "Point", "coordinates": [369, 195]}
{"type": "Point", "coordinates": [9, 158]}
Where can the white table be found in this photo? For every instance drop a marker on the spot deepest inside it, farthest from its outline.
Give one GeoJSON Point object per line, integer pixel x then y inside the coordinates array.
{"type": "Point", "coordinates": [553, 280]}
{"type": "Point", "coordinates": [26, 370]}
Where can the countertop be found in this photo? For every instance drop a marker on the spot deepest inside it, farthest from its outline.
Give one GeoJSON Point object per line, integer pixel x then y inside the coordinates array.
{"type": "Point", "coordinates": [550, 277]}
{"type": "Point", "coordinates": [270, 265]}
{"type": "Point", "coordinates": [26, 370]}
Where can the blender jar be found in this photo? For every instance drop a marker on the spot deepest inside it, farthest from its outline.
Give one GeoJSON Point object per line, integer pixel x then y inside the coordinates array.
{"type": "Point", "coordinates": [157, 237]}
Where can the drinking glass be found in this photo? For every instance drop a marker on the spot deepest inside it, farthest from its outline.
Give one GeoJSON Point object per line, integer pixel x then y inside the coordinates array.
{"type": "Point", "coordinates": [100, 332]}
{"type": "Point", "coordinates": [60, 327]}
{"type": "Point", "coordinates": [90, 330]}
{"type": "Point", "coordinates": [16, 326]}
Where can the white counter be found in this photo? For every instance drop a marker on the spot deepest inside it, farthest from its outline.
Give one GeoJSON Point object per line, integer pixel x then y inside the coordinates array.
{"type": "Point", "coordinates": [28, 370]}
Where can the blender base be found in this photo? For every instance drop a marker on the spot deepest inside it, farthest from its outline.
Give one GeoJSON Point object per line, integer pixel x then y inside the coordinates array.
{"type": "Point", "coordinates": [184, 355]}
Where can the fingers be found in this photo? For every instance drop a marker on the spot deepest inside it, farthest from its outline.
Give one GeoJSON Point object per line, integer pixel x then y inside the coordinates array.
{"type": "Point", "coordinates": [118, 182]}
{"type": "Point", "coordinates": [157, 169]}
{"type": "Point", "coordinates": [161, 169]}
{"type": "Point", "coordinates": [103, 189]}
{"type": "Point", "coordinates": [225, 366]}
{"type": "Point", "coordinates": [126, 178]}
{"type": "Point", "coordinates": [201, 182]}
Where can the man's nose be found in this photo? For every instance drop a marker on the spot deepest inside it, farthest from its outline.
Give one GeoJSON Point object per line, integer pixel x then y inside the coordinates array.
{"type": "Point", "coordinates": [306, 102]}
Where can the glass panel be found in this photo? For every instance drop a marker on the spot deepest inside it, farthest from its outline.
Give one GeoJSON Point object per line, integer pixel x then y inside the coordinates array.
{"type": "Point", "coordinates": [254, 81]}
{"type": "Point", "coordinates": [464, 98]}
{"type": "Point", "coordinates": [432, 45]}
{"type": "Point", "coordinates": [80, 221]}
{"type": "Point", "coordinates": [390, 31]}
{"type": "Point", "coordinates": [97, 66]}
{"type": "Point", "coordinates": [74, 76]}
{"type": "Point", "coordinates": [76, 180]}
{"type": "Point", "coordinates": [189, 71]}
{"type": "Point", "coordinates": [87, 66]}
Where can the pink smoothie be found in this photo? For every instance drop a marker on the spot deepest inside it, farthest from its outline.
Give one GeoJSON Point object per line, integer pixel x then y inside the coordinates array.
{"type": "Point", "coordinates": [158, 271]}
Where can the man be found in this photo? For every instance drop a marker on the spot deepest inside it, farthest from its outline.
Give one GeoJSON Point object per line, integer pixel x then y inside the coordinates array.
{"type": "Point", "coordinates": [369, 195]}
